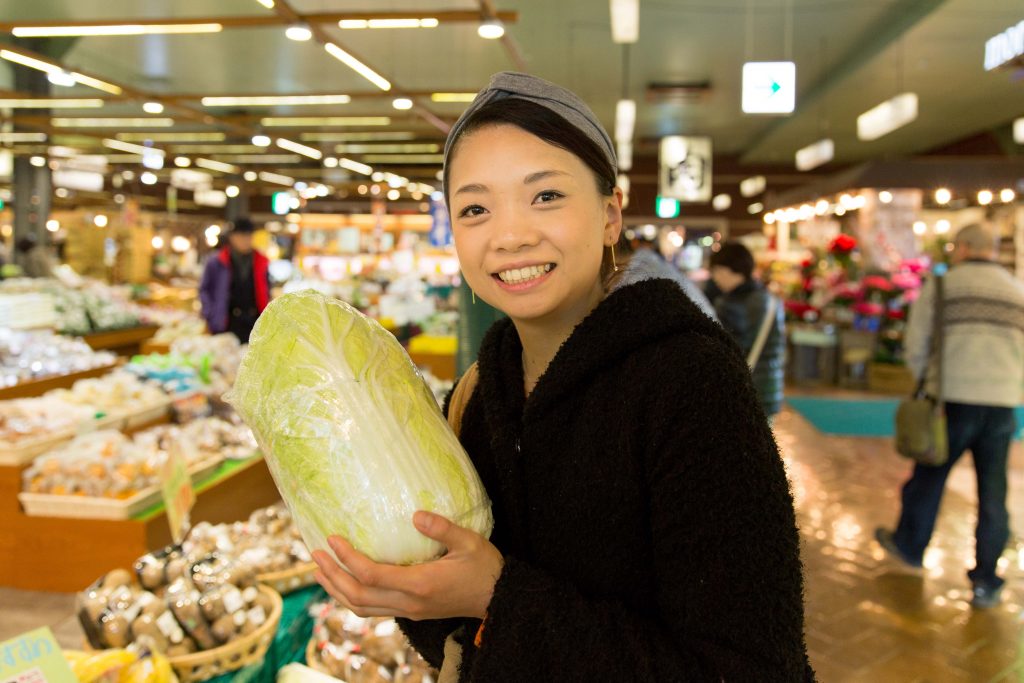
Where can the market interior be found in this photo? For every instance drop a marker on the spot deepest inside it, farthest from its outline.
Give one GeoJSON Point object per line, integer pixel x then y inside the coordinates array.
{"type": "Point", "coordinates": [843, 143]}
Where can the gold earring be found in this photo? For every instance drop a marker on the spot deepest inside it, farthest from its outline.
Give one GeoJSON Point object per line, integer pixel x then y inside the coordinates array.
{"type": "Point", "coordinates": [473, 294]}
{"type": "Point", "coordinates": [615, 266]}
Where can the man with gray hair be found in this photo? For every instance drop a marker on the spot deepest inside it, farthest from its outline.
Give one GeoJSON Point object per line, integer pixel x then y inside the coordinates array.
{"type": "Point", "coordinates": [982, 381]}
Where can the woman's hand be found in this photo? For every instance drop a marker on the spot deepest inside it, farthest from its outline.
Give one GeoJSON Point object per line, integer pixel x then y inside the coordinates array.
{"type": "Point", "coordinates": [460, 584]}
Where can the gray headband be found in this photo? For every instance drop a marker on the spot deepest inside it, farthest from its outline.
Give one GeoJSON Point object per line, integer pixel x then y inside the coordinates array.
{"type": "Point", "coordinates": [532, 89]}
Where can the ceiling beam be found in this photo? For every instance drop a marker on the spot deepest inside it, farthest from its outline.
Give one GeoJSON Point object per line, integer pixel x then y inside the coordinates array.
{"type": "Point", "coordinates": [514, 53]}
{"type": "Point", "coordinates": [285, 10]}
{"type": "Point", "coordinates": [902, 16]}
{"type": "Point", "coordinates": [277, 19]}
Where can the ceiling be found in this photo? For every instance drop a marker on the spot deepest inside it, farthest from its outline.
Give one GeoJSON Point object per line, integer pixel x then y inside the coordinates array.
{"type": "Point", "coordinates": [850, 56]}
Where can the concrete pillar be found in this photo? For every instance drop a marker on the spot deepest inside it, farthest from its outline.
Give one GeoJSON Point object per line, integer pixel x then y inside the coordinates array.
{"type": "Point", "coordinates": [237, 206]}
{"type": "Point", "coordinates": [32, 188]}
{"type": "Point", "coordinates": [32, 198]}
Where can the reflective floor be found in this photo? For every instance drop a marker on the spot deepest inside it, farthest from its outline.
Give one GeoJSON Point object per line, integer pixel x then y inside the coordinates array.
{"type": "Point", "coordinates": [867, 619]}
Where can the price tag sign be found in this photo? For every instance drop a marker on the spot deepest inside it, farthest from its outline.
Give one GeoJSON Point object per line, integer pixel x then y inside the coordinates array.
{"type": "Point", "coordinates": [34, 657]}
{"type": "Point", "coordinates": [179, 497]}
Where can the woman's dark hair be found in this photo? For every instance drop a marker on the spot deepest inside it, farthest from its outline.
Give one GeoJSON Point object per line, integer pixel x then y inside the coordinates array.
{"type": "Point", "coordinates": [553, 129]}
{"type": "Point", "coordinates": [735, 257]}
{"type": "Point", "coordinates": [549, 127]}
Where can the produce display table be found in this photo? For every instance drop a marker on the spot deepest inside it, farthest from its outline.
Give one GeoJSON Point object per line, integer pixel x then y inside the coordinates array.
{"type": "Point", "coordinates": [289, 644]}
{"type": "Point", "coordinates": [65, 555]}
{"type": "Point", "coordinates": [126, 342]}
{"type": "Point", "coordinates": [441, 365]}
{"type": "Point", "coordinates": [38, 387]}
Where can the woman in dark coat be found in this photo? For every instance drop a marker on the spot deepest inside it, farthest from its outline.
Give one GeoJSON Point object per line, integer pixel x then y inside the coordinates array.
{"type": "Point", "coordinates": [644, 528]}
{"type": "Point", "coordinates": [743, 305]}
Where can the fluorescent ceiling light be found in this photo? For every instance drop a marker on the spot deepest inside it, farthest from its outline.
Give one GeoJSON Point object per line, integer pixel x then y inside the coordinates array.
{"type": "Point", "coordinates": [276, 178]}
{"type": "Point", "coordinates": [261, 140]}
{"type": "Point", "coordinates": [625, 20]}
{"type": "Point", "coordinates": [299, 33]}
{"type": "Point", "coordinates": [421, 148]}
{"type": "Point", "coordinates": [452, 96]}
{"type": "Point", "coordinates": [53, 69]}
{"type": "Point", "coordinates": [216, 166]}
{"type": "Point", "coordinates": [30, 62]}
{"type": "Point", "coordinates": [98, 84]}
{"type": "Point", "coordinates": [273, 100]}
{"type": "Point", "coordinates": [269, 4]}
{"type": "Point", "coordinates": [355, 166]}
{"type": "Point", "coordinates": [22, 137]}
{"type": "Point", "coordinates": [51, 103]}
{"type": "Point", "coordinates": [113, 30]}
{"type": "Point", "coordinates": [1018, 131]}
{"type": "Point", "coordinates": [260, 158]}
{"type": "Point", "coordinates": [624, 155]}
{"type": "Point", "coordinates": [887, 117]}
{"type": "Point", "coordinates": [148, 178]}
{"type": "Point", "coordinates": [357, 66]}
{"type": "Point", "coordinates": [404, 158]}
{"type": "Point", "coordinates": [1005, 47]}
{"type": "Point", "coordinates": [753, 186]}
{"type": "Point", "coordinates": [625, 120]}
{"type": "Point", "coordinates": [153, 108]}
{"type": "Point", "coordinates": [356, 137]}
{"type": "Point", "coordinates": [304, 121]}
{"type": "Point", "coordinates": [217, 149]}
{"type": "Point", "coordinates": [428, 22]}
{"type": "Point", "coordinates": [171, 137]}
{"type": "Point", "coordinates": [82, 122]}
{"type": "Point", "coordinates": [816, 154]}
{"type": "Point", "coordinates": [61, 78]}
{"type": "Point", "coordinates": [401, 103]}
{"type": "Point", "coordinates": [491, 29]}
{"type": "Point", "coordinates": [182, 162]}
{"type": "Point", "coordinates": [312, 153]}
{"type": "Point", "coordinates": [721, 202]}
{"type": "Point", "coordinates": [131, 147]}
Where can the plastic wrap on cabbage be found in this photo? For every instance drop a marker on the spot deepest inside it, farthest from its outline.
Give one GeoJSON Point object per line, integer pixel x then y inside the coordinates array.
{"type": "Point", "coordinates": [353, 437]}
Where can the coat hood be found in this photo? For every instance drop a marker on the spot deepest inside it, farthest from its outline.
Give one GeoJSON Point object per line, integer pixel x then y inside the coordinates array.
{"type": "Point", "coordinates": [626, 321]}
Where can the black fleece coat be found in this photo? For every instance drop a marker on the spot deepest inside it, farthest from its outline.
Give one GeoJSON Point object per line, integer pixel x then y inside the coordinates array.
{"type": "Point", "coordinates": [640, 504]}
{"type": "Point", "coordinates": [741, 313]}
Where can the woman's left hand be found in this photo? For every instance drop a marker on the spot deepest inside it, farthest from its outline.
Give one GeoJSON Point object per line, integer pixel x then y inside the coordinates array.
{"type": "Point", "coordinates": [459, 584]}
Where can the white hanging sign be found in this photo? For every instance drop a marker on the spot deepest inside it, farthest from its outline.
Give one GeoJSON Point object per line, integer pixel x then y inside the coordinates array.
{"type": "Point", "coordinates": [769, 87]}
{"type": "Point", "coordinates": [685, 168]}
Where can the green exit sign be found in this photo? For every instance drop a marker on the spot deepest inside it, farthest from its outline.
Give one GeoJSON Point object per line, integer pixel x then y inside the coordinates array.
{"type": "Point", "coordinates": [666, 207]}
{"type": "Point", "coordinates": [280, 203]}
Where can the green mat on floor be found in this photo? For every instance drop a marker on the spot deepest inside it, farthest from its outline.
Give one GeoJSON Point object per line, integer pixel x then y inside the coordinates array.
{"type": "Point", "coordinates": [851, 417]}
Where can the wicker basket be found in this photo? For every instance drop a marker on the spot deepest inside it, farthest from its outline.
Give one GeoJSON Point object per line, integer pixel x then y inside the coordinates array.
{"type": "Point", "coordinates": [249, 649]}
{"type": "Point", "coordinates": [312, 660]}
{"type": "Point", "coordinates": [289, 580]}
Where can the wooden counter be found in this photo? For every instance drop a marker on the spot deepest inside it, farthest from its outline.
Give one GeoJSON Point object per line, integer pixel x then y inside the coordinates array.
{"type": "Point", "coordinates": [126, 342]}
{"type": "Point", "coordinates": [66, 555]}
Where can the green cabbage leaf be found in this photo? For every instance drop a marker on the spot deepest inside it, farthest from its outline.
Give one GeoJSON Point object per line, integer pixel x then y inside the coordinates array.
{"type": "Point", "coordinates": [352, 435]}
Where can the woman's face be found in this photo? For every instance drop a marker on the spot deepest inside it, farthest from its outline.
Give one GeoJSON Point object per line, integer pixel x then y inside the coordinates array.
{"type": "Point", "coordinates": [530, 226]}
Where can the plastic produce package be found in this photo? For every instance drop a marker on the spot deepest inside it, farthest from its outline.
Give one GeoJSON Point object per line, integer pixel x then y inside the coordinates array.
{"type": "Point", "coordinates": [353, 437]}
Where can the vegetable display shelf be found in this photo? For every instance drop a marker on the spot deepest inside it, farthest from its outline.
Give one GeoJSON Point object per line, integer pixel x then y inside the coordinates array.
{"type": "Point", "coordinates": [126, 342]}
{"type": "Point", "coordinates": [38, 387]}
{"type": "Point", "coordinates": [58, 554]}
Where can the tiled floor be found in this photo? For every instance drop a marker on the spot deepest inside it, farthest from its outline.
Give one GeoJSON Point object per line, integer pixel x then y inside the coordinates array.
{"type": "Point", "coordinates": [867, 620]}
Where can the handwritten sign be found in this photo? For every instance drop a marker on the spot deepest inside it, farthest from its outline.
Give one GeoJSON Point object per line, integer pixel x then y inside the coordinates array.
{"type": "Point", "coordinates": [179, 497]}
{"type": "Point", "coordinates": [34, 657]}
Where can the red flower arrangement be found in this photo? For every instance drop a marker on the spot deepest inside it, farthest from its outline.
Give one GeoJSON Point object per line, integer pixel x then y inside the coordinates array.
{"type": "Point", "coordinates": [878, 282]}
{"type": "Point", "coordinates": [842, 245]}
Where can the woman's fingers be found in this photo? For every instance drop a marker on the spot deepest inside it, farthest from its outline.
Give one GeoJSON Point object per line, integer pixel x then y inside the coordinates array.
{"type": "Point", "coordinates": [361, 598]}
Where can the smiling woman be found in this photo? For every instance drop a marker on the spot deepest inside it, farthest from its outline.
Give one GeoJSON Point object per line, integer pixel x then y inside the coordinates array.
{"type": "Point", "coordinates": [644, 528]}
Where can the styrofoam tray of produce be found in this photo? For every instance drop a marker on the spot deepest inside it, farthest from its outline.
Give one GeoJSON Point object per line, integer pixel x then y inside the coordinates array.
{"type": "Point", "coordinates": [94, 507]}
